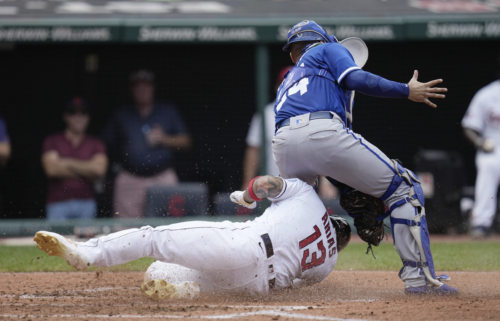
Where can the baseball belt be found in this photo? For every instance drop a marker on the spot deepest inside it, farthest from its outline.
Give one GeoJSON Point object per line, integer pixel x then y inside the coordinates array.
{"type": "Point", "coordinates": [312, 116]}
{"type": "Point", "coordinates": [268, 245]}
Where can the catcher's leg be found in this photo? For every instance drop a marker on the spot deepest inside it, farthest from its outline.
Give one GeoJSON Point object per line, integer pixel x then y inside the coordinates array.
{"type": "Point", "coordinates": [326, 148]}
{"type": "Point", "coordinates": [405, 200]}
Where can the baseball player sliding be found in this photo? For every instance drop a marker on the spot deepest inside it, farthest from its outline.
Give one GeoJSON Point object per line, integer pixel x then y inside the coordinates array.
{"type": "Point", "coordinates": [481, 125]}
{"type": "Point", "coordinates": [314, 138]}
{"type": "Point", "coordinates": [294, 243]}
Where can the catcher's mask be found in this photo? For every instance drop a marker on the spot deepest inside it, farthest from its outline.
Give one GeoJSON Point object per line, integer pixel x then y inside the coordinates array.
{"type": "Point", "coordinates": [343, 231]}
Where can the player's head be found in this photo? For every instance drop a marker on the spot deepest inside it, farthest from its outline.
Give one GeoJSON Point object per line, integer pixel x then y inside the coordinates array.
{"type": "Point", "coordinates": [76, 115]}
{"type": "Point", "coordinates": [343, 231]}
{"type": "Point", "coordinates": [304, 33]}
{"type": "Point", "coordinates": [142, 86]}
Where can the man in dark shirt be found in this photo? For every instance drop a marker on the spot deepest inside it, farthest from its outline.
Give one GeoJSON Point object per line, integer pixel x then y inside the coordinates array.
{"type": "Point", "coordinates": [73, 161]}
{"type": "Point", "coordinates": [142, 138]}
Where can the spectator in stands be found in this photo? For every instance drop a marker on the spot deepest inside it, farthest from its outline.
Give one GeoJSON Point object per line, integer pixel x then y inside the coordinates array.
{"type": "Point", "coordinates": [4, 143]}
{"type": "Point", "coordinates": [142, 138]}
{"type": "Point", "coordinates": [73, 161]}
{"type": "Point", "coordinates": [4, 150]}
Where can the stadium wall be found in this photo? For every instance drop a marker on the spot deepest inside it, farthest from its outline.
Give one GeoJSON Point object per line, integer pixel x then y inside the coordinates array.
{"type": "Point", "coordinates": [214, 87]}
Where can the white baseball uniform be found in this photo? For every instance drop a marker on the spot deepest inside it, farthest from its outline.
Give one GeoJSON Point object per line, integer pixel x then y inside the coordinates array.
{"type": "Point", "coordinates": [254, 137]}
{"type": "Point", "coordinates": [293, 242]}
{"type": "Point", "coordinates": [483, 116]}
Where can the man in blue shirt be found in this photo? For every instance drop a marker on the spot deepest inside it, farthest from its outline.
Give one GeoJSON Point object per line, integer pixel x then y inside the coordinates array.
{"type": "Point", "coordinates": [314, 138]}
{"type": "Point", "coordinates": [141, 138]}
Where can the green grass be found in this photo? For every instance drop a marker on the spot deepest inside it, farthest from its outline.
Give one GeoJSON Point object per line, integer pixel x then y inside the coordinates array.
{"type": "Point", "coordinates": [466, 256]}
{"type": "Point", "coordinates": [31, 259]}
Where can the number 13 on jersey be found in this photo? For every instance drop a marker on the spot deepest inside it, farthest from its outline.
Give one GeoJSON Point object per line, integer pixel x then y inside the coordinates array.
{"type": "Point", "coordinates": [315, 260]}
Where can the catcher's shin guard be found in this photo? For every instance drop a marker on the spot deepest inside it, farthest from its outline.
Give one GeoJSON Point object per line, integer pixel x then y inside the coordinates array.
{"type": "Point", "coordinates": [417, 225]}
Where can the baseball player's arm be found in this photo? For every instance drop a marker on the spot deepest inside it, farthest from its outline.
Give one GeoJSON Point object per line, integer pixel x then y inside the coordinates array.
{"type": "Point", "coordinates": [259, 188]}
{"type": "Point", "coordinates": [264, 187]}
{"type": "Point", "coordinates": [374, 85]}
{"type": "Point", "coordinates": [271, 187]}
{"type": "Point", "coordinates": [486, 145]}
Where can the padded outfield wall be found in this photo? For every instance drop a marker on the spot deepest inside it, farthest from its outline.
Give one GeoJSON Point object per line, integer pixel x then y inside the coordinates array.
{"type": "Point", "coordinates": [216, 87]}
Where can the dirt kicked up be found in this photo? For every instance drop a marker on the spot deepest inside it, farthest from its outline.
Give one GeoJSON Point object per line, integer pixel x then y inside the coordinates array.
{"type": "Point", "coordinates": [344, 295]}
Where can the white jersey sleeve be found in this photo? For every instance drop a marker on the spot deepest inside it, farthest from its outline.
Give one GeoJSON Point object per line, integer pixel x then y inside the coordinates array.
{"type": "Point", "coordinates": [254, 132]}
{"type": "Point", "coordinates": [291, 187]}
{"type": "Point", "coordinates": [475, 116]}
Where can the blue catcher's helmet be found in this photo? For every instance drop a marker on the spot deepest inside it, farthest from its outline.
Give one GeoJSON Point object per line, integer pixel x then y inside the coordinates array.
{"type": "Point", "coordinates": [307, 30]}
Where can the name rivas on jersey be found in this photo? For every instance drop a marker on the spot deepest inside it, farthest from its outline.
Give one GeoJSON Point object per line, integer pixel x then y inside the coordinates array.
{"type": "Point", "coordinates": [331, 241]}
{"type": "Point", "coordinates": [147, 33]}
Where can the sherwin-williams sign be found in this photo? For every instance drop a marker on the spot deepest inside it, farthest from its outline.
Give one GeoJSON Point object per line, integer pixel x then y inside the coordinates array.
{"type": "Point", "coordinates": [189, 34]}
{"type": "Point", "coordinates": [58, 34]}
{"type": "Point", "coordinates": [145, 31]}
{"type": "Point", "coordinates": [454, 30]}
{"type": "Point", "coordinates": [271, 34]}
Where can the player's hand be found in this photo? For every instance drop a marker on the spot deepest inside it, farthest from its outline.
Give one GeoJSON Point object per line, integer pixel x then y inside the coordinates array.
{"type": "Point", "coordinates": [486, 145]}
{"type": "Point", "coordinates": [237, 197]}
{"type": "Point", "coordinates": [421, 92]}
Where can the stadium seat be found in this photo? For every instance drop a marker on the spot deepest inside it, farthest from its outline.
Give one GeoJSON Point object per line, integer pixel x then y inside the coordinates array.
{"type": "Point", "coordinates": [185, 199]}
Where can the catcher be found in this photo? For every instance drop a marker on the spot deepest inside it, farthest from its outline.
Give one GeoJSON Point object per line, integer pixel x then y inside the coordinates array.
{"type": "Point", "coordinates": [314, 137]}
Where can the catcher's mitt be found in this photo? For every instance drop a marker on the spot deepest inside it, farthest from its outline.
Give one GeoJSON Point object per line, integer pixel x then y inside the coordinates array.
{"type": "Point", "coordinates": [365, 209]}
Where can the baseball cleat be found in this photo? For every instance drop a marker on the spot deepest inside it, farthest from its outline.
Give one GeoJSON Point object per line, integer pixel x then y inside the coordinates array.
{"type": "Point", "coordinates": [162, 290]}
{"type": "Point", "coordinates": [422, 290]}
{"type": "Point", "coordinates": [56, 245]}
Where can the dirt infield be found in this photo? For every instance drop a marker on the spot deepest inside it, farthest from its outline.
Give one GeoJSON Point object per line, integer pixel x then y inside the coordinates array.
{"type": "Point", "coordinates": [344, 295]}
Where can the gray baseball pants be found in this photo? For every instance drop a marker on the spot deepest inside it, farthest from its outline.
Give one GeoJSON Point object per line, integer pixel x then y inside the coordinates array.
{"type": "Point", "coordinates": [324, 147]}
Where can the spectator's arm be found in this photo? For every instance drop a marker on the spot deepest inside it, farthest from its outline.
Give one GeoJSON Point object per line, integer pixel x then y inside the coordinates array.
{"type": "Point", "coordinates": [157, 136]}
{"type": "Point", "coordinates": [180, 141]}
{"type": "Point", "coordinates": [178, 138]}
{"type": "Point", "coordinates": [250, 165]}
{"type": "Point", "coordinates": [91, 169]}
{"type": "Point", "coordinates": [4, 152]}
{"type": "Point", "coordinates": [54, 166]}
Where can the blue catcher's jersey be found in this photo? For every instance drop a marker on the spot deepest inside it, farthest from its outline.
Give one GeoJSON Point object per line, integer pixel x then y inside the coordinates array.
{"type": "Point", "coordinates": [313, 84]}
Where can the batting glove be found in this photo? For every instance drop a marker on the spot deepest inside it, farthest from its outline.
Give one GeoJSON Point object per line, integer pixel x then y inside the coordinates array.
{"type": "Point", "coordinates": [237, 197]}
